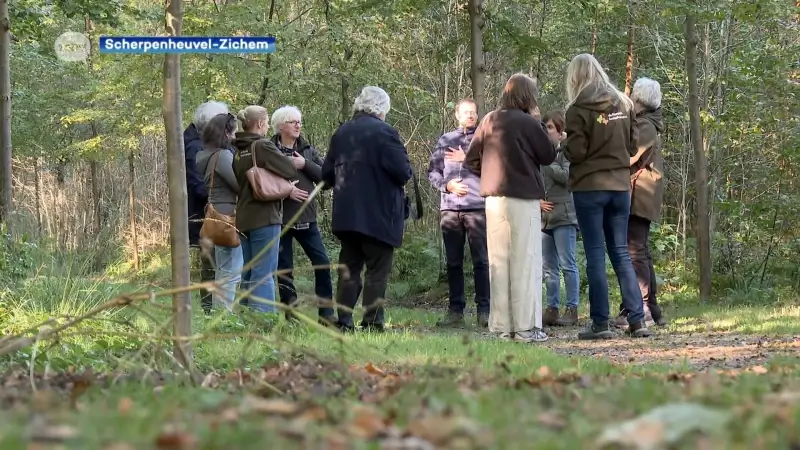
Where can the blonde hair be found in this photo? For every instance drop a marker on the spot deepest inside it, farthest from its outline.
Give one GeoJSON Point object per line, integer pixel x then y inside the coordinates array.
{"type": "Point", "coordinates": [585, 72]}
{"type": "Point", "coordinates": [251, 115]}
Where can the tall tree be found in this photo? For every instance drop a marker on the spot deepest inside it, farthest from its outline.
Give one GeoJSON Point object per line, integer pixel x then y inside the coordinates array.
{"type": "Point", "coordinates": [700, 160]}
{"type": "Point", "coordinates": [629, 55]}
{"type": "Point", "coordinates": [7, 198]}
{"type": "Point", "coordinates": [176, 174]}
{"type": "Point", "coordinates": [478, 64]}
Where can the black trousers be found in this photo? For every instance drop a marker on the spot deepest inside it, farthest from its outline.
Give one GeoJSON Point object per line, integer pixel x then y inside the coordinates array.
{"type": "Point", "coordinates": [207, 273]}
{"type": "Point", "coordinates": [359, 251]}
{"type": "Point", "coordinates": [642, 259]}
{"type": "Point", "coordinates": [458, 228]}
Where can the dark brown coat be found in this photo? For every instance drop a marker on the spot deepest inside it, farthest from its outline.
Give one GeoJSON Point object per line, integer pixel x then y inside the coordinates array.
{"type": "Point", "coordinates": [507, 150]}
{"type": "Point", "coordinates": [600, 142]}
{"type": "Point", "coordinates": [647, 173]}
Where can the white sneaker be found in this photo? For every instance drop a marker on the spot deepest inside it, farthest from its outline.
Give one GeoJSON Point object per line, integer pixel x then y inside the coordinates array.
{"type": "Point", "coordinates": [504, 335]}
{"type": "Point", "coordinates": [534, 335]}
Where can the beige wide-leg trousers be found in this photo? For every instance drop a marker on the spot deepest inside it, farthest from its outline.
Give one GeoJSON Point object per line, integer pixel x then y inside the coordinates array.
{"type": "Point", "coordinates": [514, 240]}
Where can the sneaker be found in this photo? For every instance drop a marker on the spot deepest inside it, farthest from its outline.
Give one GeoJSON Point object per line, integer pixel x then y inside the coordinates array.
{"type": "Point", "coordinates": [506, 335]}
{"type": "Point", "coordinates": [569, 318]}
{"type": "Point", "coordinates": [534, 335]}
{"type": "Point", "coordinates": [451, 320]}
{"type": "Point", "coordinates": [596, 331]}
{"type": "Point", "coordinates": [621, 321]}
{"type": "Point", "coordinates": [638, 330]}
{"type": "Point", "coordinates": [550, 316]}
{"type": "Point", "coordinates": [483, 320]}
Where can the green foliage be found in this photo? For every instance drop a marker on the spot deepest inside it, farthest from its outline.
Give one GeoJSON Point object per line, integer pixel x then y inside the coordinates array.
{"type": "Point", "coordinates": [16, 257]}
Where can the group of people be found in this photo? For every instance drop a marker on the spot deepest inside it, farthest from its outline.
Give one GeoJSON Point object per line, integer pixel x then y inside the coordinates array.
{"type": "Point", "coordinates": [519, 188]}
{"type": "Point", "coordinates": [368, 217]}
{"type": "Point", "coordinates": [516, 187]}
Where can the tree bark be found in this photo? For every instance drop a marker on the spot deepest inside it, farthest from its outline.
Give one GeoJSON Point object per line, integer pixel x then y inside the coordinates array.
{"type": "Point", "coordinates": [7, 197]}
{"type": "Point", "coordinates": [132, 205]}
{"type": "Point", "coordinates": [478, 63]}
{"type": "Point", "coordinates": [176, 174]}
{"type": "Point", "coordinates": [700, 162]}
{"type": "Point", "coordinates": [629, 59]}
{"type": "Point", "coordinates": [262, 96]}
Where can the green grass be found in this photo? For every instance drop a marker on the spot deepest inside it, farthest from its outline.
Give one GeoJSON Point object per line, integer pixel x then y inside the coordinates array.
{"type": "Point", "coordinates": [499, 394]}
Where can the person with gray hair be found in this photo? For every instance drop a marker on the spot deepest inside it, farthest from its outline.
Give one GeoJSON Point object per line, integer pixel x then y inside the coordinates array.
{"type": "Point", "coordinates": [196, 193]}
{"type": "Point", "coordinates": [286, 124]}
{"type": "Point", "coordinates": [367, 166]}
{"type": "Point", "coordinates": [647, 191]}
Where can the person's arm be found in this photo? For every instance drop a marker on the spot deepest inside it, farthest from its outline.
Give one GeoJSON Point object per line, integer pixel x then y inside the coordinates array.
{"type": "Point", "coordinates": [576, 146]}
{"type": "Point", "coordinates": [559, 170]}
{"type": "Point", "coordinates": [313, 167]}
{"type": "Point", "coordinates": [645, 139]}
{"type": "Point", "coordinates": [633, 146]}
{"type": "Point", "coordinates": [543, 150]}
{"type": "Point", "coordinates": [394, 158]}
{"type": "Point", "coordinates": [327, 172]}
{"type": "Point", "coordinates": [472, 159]}
{"type": "Point", "coordinates": [195, 182]}
{"type": "Point", "coordinates": [436, 166]}
{"type": "Point", "coordinates": [225, 169]}
{"type": "Point", "coordinates": [269, 157]}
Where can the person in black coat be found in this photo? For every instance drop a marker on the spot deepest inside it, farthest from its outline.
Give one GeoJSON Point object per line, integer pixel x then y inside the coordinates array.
{"type": "Point", "coordinates": [367, 166]}
{"type": "Point", "coordinates": [196, 194]}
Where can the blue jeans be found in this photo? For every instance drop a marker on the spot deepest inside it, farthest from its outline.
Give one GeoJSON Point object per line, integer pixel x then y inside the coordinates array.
{"type": "Point", "coordinates": [260, 276]}
{"type": "Point", "coordinates": [228, 274]}
{"type": "Point", "coordinates": [558, 254]}
{"type": "Point", "coordinates": [604, 214]}
{"type": "Point", "coordinates": [310, 240]}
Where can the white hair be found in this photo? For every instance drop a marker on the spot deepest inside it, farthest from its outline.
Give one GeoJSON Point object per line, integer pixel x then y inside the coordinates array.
{"type": "Point", "coordinates": [647, 92]}
{"type": "Point", "coordinates": [205, 112]}
{"type": "Point", "coordinates": [282, 114]}
{"type": "Point", "coordinates": [372, 100]}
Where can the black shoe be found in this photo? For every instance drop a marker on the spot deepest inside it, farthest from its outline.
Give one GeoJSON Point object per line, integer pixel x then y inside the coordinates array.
{"type": "Point", "coordinates": [344, 327]}
{"type": "Point", "coordinates": [638, 329]}
{"type": "Point", "coordinates": [596, 331]}
{"type": "Point", "coordinates": [451, 320]}
{"type": "Point", "coordinates": [327, 321]}
{"type": "Point", "coordinates": [483, 320]}
{"type": "Point", "coordinates": [372, 327]}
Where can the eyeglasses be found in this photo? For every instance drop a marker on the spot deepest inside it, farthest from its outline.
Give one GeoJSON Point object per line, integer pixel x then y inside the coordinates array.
{"type": "Point", "coordinates": [294, 122]}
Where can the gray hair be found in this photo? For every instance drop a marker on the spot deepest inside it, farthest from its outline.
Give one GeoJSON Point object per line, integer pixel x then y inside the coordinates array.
{"type": "Point", "coordinates": [647, 92]}
{"type": "Point", "coordinates": [282, 114]}
{"type": "Point", "coordinates": [372, 100]}
{"type": "Point", "coordinates": [206, 112]}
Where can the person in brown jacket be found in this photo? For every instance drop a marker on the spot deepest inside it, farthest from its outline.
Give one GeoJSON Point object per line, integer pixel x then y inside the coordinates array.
{"type": "Point", "coordinates": [647, 184]}
{"type": "Point", "coordinates": [507, 151]}
{"type": "Point", "coordinates": [259, 223]}
{"type": "Point", "coordinates": [601, 139]}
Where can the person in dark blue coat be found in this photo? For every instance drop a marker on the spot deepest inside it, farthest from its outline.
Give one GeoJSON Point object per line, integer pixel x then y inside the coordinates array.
{"type": "Point", "coordinates": [196, 193]}
{"type": "Point", "coordinates": [367, 166]}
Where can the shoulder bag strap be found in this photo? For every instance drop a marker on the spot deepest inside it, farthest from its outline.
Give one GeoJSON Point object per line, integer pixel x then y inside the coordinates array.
{"type": "Point", "coordinates": [253, 153]}
{"type": "Point", "coordinates": [213, 165]}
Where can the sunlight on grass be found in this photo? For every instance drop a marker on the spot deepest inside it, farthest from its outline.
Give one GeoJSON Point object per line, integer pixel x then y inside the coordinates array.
{"type": "Point", "coordinates": [761, 320]}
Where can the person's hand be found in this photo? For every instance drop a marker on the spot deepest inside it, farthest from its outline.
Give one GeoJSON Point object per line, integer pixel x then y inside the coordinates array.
{"type": "Point", "coordinates": [454, 154]}
{"type": "Point", "coordinates": [546, 206]}
{"type": "Point", "coordinates": [457, 187]}
{"type": "Point", "coordinates": [298, 161]}
{"type": "Point", "coordinates": [298, 194]}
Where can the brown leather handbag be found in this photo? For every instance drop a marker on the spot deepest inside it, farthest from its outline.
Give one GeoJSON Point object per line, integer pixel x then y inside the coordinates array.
{"type": "Point", "coordinates": [217, 227]}
{"type": "Point", "coordinates": [267, 186]}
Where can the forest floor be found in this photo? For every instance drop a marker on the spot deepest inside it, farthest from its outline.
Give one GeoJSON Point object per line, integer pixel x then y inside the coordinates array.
{"type": "Point", "coordinates": [715, 377]}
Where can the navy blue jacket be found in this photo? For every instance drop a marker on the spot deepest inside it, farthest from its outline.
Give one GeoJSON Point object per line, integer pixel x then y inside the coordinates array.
{"type": "Point", "coordinates": [441, 171]}
{"type": "Point", "coordinates": [368, 167]}
{"type": "Point", "coordinates": [196, 194]}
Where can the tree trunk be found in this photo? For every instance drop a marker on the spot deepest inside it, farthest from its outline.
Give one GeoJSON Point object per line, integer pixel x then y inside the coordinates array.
{"type": "Point", "coordinates": [7, 197]}
{"type": "Point", "coordinates": [595, 27]}
{"type": "Point", "coordinates": [262, 96]}
{"type": "Point", "coordinates": [38, 194]}
{"type": "Point", "coordinates": [629, 59]}
{"type": "Point", "coordinates": [541, 36]}
{"type": "Point", "coordinates": [132, 204]}
{"type": "Point", "coordinates": [345, 85]}
{"type": "Point", "coordinates": [478, 63]}
{"type": "Point", "coordinates": [176, 174]}
{"type": "Point", "coordinates": [700, 162]}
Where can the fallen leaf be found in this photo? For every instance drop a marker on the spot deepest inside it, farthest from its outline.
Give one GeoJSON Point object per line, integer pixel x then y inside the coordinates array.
{"type": "Point", "coordinates": [119, 446]}
{"type": "Point", "coordinates": [551, 419]}
{"type": "Point", "coordinates": [366, 424]}
{"type": "Point", "coordinates": [53, 433]}
{"type": "Point", "coordinates": [211, 380]}
{"type": "Point", "coordinates": [124, 406]}
{"type": "Point", "coordinates": [274, 407]}
{"type": "Point", "coordinates": [761, 370]}
{"type": "Point", "coordinates": [175, 440]}
{"type": "Point", "coordinates": [371, 369]}
{"type": "Point", "coordinates": [440, 430]}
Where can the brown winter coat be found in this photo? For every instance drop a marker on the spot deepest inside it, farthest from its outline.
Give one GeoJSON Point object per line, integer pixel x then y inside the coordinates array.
{"type": "Point", "coordinates": [600, 142]}
{"type": "Point", "coordinates": [647, 173]}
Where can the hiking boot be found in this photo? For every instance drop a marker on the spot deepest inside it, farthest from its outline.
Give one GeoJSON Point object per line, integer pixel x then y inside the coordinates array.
{"type": "Point", "coordinates": [372, 327]}
{"type": "Point", "coordinates": [621, 321]}
{"type": "Point", "coordinates": [596, 331]}
{"type": "Point", "coordinates": [451, 320]}
{"type": "Point", "coordinates": [638, 329]}
{"type": "Point", "coordinates": [569, 318]}
{"type": "Point", "coordinates": [534, 335]}
{"type": "Point", "coordinates": [483, 320]}
{"type": "Point", "coordinates": [648, 318]}
{"type": "Point", "coordinates": [344, 327]}
{"type": "Point", "coordinates": [550, 316]}
{"type": "Point", "coordinates": [657, 316]}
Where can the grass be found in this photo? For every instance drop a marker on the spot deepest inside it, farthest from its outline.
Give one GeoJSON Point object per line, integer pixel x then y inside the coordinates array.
{"type": "Point", "coordinates": [297, 387]}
